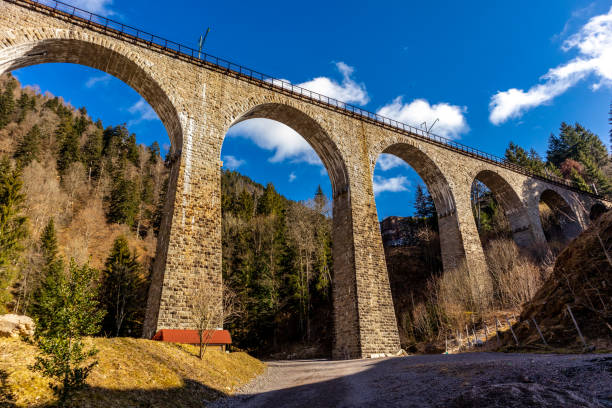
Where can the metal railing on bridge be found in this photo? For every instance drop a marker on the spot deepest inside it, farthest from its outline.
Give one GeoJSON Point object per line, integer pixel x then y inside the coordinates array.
{"type": "Point", "coordinates": [163, 45]}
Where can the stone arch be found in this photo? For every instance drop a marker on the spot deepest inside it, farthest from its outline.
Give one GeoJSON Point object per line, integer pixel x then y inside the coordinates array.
{"type": "Point", "coordinates": [569, 222]}
{"type": "Point", "coordinates": [514, 209]}
{"type": "Point", "coordinates": [451, 242]}
{"type": "Point", "coordinates": [125, 67]}
{"type": "Point", "coordinates": [347, 317]}
{"type": "Point", "coordinates": [114, 59]}
{"type": "Point", "coordinates": [311, 131]}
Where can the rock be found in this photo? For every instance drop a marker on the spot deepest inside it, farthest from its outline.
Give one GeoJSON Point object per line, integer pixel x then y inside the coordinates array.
{"type": "Point", "coordinates": [12, 325]}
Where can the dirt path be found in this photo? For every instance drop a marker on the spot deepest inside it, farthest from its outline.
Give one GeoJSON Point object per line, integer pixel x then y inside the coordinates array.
{"type": "Point", "coordinates": [461, 380]}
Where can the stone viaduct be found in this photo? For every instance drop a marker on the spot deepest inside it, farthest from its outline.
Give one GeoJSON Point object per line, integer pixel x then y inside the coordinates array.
{"type": "Point", "coordinates": [199, 99]}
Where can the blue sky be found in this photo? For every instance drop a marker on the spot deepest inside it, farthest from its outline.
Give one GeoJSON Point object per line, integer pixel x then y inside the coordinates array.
{"type": "Point", "coordinates": [490, 72]}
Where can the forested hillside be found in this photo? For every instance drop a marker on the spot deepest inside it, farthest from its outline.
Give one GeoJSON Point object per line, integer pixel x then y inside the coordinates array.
{"type": "Point", "coordinates": [277, 258]}
{"type": "Point", "coordinates": [89, 183]}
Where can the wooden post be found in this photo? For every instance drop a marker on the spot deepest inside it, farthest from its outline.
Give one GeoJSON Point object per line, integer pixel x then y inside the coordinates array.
{"type": "Point", "coordinates": [576, 324]}
{"type": "Point", "coordinates": [459, 342]}
{"type": "Point", "coordinates": [513, 335]}
{"type": "Point", "coordinates": [467, 335]}
{"type": "Point", "coordinates": [539, 331]}
{"type": "Point", "coordinates": [497, 324]}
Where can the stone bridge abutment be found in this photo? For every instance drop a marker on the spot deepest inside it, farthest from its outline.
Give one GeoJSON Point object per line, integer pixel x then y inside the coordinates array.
{"type": "Point", "coordinates": [198, 103]}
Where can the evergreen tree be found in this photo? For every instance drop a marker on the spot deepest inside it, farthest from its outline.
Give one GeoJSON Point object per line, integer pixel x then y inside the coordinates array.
{"type": "Point", "coordinates": [7, 102]}
{"type": "Point", "coordinates": [123, 290]}
{"type": "Point", "coordinates": [270, 201]}
{"type": "Point", "coordinates": [81, 122]}
{"type": "Point", "coordinates": [68, 141]}
{"type": "Point", "coordinates": [52, 104]}
{"type": "Point", "coordinates": [48, 244]}
{"type": "Point", "coordinates": [131, 150]}
{"type": "Point", "coordinates": [92, 154]}
{"type": "Point", "coordinates": [531, 160]}
{"type": "Point", "coordinates": [320, 201]}
{"type": "Point", "coordinates": [25, 104]}
{"type": "Point", "coordinates": [68, 310]}
{"type": "Point", "coordinates": [154, 153]}
{"type": "Point", "coordinates": [424, 204]}
{"type": "Point", "coordinates": [52, 267]}
{"type": "Point", "coordinates": [118, 142]}
{"type": "Point", "coordinates": [595, 175]}
{"type": "Point", "coordinates": [12, 228]}
{"type": "Point", "coordinates": [244, 206]}
{"type": "Point", "coordinates": [159, 208]}
{"type": "Point", "coordinates": [575, 142]}
{"type": "Point", "coordinates": [123, 202]}
{"type": "Point", "coordinates": [29, 147]}
{"type": "Point", "coordinates": [579, 180]}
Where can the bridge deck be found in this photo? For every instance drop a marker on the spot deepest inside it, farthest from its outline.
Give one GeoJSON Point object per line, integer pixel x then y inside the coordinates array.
{"type": "Point", "coordinates": [133, 35]}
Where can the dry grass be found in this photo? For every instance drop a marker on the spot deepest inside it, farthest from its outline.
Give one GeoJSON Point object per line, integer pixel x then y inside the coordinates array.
{"type": "Point", "coordinates": [131, 372]}
{"type": "Point", "coordinates": [462, 296]}
{"type": "Point", "coordinates": [516, 279]}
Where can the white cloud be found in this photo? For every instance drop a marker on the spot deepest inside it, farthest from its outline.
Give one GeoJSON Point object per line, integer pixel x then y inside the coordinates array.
{"type": "Point", "coordinates": [292, 177]}
{"type": "Point", "coordinates": [389, 161]}
{"type": "Point", "coordinates": [348, 91]}
{"type": "Point", "coordinates": [95, 6]}
{"type": "Point", "coordinates": [594, 44]}
{"type": "Point", "coordinates": [93, 81]}
{"type": "Point", "coordinates": [286, 143]}
{"type": "Point", "coordinates": [268, 134]}
{"type": "Point", "coordinates": [143, 112]}
{"type": "Point", "coordinates": [232, 163]}
{"type": "Point", "coordinates": [392, 184]}
{"type": "Point", "coordinates": [451, 123]}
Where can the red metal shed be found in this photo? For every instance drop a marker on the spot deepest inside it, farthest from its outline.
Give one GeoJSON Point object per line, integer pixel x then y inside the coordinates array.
{"type": "Point", "coordinates": [220, 338]}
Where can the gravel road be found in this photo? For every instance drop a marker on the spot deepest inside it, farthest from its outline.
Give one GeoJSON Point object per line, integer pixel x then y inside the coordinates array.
{"type": "Point", "coordinates": [457, 380]}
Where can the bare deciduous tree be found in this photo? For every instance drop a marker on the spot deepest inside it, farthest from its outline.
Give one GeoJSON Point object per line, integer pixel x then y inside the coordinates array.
{"type": "Point", "coordinates": [212, 305]}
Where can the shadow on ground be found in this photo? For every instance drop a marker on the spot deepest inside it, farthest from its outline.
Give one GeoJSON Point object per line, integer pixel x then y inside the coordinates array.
{"type": "Point", "coordinates": [454, 381]}
{"type": "Point", "coordinates": [191, 394]}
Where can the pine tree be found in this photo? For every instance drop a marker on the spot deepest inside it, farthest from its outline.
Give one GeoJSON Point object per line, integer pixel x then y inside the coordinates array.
{"type": "Point", "coordinates": [154, 153]}
{"type": "Point", "coordinates": [52, 267]}
{"type": "Point", "coordinates": [531, 160]}
{"type": "Point", "coordinates": [320, 201]}
{"type": "Point", "coordinates": [92, 154]}
{"type": "Point", "coordinates": [68, 311]}
{"type": "Point", "coordinates": [123, 202]}
{"type": "Point", "coordinates": [424, 204]}
{"type": "Point", "coordinates": [68, 144]}
{"type": "Point", "coordinates": [48, 244]}
{"type": "Point", "coordinates": [579, 180]}
{"type": "Point", "coordinates": [81, 122]}
{"type": "Point", "coordinates": [7, 102]}
{"type": "Point", "coordinates": [131, 150]}
{"type": "Point", "coordinates": [25, 104]}
{"type": "Point", "coordinates": [123, 290]}
{"type": "Point", "coordinates": [12, 228]}
{"type": "Point", "coordinates": [595, 175]}
{"type": "Point", "coordinates": [244, 206]}
{"type": "Point", "coordinates": [29, 147]}
{"type": "Point", "coordinates": [575, 142]}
